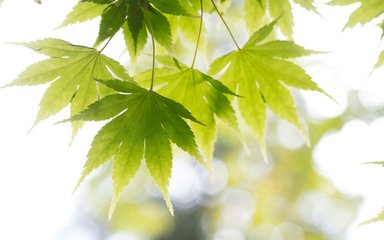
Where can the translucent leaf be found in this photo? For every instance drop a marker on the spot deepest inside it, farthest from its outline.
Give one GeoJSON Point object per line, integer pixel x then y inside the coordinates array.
{"type": "Point", "coordinates": [378, 218]}
{"type": "Point", "coordinates": [169, 6]}
{"type": "Point", "coordinates": [160, 27]}
{"type": "Point", "coordinates": [71, 71]}
{"type": "Point", "coordinates": [367, 11]}
{"type": "Point", "coordinates": [144, 125]}
{"type": "Point", "coordinates": [82, 12]}
{"type": "Point", "coordinates": [260, 73]}
{"type": "Point", "coordinates": [112, 20]}
{"type": "Point", "coordinates": [202, 95]}
{"type": "Point", "coordinates": [380, 61]}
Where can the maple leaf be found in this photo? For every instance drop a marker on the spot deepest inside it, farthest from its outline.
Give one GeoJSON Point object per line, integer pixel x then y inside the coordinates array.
{"type": "Point", "coordinates": [134, 17]}
{"type": "Point", "coordinates": [199, 93]}
{"type": "Point", "coordinates": [367, 11]}
{"type": "Point", "coordinates": [143, 126]}
{"type": "Point", "coordinates": [169, 6]}
{"type": "Point", "coordinates": [83, 11]}
{"type": "Point", "coordinates": [380, 61]}
{"type": "Point", "coordinates": [256, 12]}
{"type": "Point", "coordinates": [71, 71]}
{"type": "Point", "coordinates": [261, 74]}
{"type": "Point", "coordinates": [143, 17]}
{"type": "Point", "coordinates": [378, 218]}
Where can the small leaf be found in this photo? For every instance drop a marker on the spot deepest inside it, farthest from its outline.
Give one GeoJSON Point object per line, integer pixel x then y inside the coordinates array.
{"type": "Point", "coordinates": [282, 9]}
{"type": "Point", "coordinates": [83, 11]}
{"type": "Point", "coordinates": [380, 61]}
{"type": "Point", "coordinates": [255, 14]}
{"type": "Point", "coordinates": [135, 24]}
{"type": "Point", "coordinates": [169, 6]}
{"type": "Point", "coordinates": [261, 34]}
{"type": "Point", "coordinates": [307, 4]}
{"type": "Point", "coordinates": [160, 27]}
{"type": "Point", "coordinates": [135, 45]}
{"type": "Point", "coordinates": [378, 218]}
{"type": "Point", "coordinates": [112, 20]}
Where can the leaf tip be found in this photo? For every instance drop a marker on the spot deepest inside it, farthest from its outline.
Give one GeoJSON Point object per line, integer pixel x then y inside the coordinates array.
{"type": "Point", "coordinates": [169, 204]}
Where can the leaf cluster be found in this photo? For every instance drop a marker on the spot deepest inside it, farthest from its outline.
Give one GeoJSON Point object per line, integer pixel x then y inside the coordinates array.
{"type": "Point", "coordinates": [175, 104]}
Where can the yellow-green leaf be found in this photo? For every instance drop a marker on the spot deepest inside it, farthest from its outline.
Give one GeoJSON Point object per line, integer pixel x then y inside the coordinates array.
{"type": "Point", "coordinates": [144, 125]}
{"type": "Point", "coordinates": [71, 70]}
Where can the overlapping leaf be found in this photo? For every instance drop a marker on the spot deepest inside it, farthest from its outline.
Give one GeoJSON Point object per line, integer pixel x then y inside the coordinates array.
{"type": "Point", "coordinates": [257, 12]}
{"type": "Point", "coordinates": [142, 17]}
{"type": "Point", "coordinates": [143, 126]}
{"type": "Point", "coordinates": [202, 95]}
{"type": "Point", "coordinates": [261, 74]}
{"type": "Point", "coordinates": [71, 71]}
{"type": "Point", "coordinates": [135, 17]}
{"type": "Point", "coordinates": [82, 12]}
{"type": "Point", "coordinates": [366, 12]}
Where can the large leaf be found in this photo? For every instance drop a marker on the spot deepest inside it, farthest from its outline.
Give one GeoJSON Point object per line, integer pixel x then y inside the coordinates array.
{"type": "Point", "coordinates": [144, 125]}
{"type": "Point", "coordinates": [71, 71]}
{"type": "Point", "coordinates": [261, 74]}
{"type": "Point", "coordinates": [199, 93]}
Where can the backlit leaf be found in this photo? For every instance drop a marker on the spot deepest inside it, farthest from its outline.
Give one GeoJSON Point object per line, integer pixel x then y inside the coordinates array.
{"type": "Point", "coordinates": [366, 12]}
{"type": "Point", "coordinates": [144, 125]}
{"type": "Point", "coordinates": [202, 95]}
{"type": "Point", "coordinates": [71, 71]}
{"type": "Point", "coordinates": [82, 12]}
{"type": "Point", "coordinates": [378, 218]}
{"type": "Point", "coordinates": [260, 73]}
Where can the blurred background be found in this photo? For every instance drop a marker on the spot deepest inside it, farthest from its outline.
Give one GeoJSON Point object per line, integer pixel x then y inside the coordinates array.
{"type": "Point", "coordinates": [304, 193]}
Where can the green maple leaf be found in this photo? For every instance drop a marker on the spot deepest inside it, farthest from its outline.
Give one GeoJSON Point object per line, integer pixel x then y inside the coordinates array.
{"type": "Point", "coordinates": [261, 74]}
{"type": "Point", "coordinates": [143, 126]}
{"type": "Point", "coordinates": [307, 4]}
{"type": "Point", "coordinates": [256, 12]}
{"type": "Point", "coordinates": [380, 61]}
{"type": "Point", "coordinates": [82, 12]}
{"type": "Point", "coordinates": [199, 93]}
{"type": "Point", "coordinates": [112, 19]}
{"type": "Point", "coordinates": [142, 17]}
{"type": "Point", "coordinates": [71, 71]}
{"type": "Point", "coordinates": [99, 1]}
{"type": "Point", "coordinates": [367, 11]}
{"type": "Point", "coordinates": [169, 6]}
{"type": "Point", "coordinates": [135, 17]}
{"type": "Point", "coordinates": [378, 218]}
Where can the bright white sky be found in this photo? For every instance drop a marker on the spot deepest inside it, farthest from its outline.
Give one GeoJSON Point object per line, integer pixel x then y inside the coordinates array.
{"type": "Point", "coordinates": [40, 164]}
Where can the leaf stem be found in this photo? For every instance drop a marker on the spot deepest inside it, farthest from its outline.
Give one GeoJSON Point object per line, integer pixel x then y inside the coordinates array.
{"type": "Point", "coordinates": [106, 44]}
{"type": "Point", "coordinates": [153, 51]}
{"type": "Point", "coordinates": [199, 35]}
{"type": "Point", "coordinates": [225, 23]}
